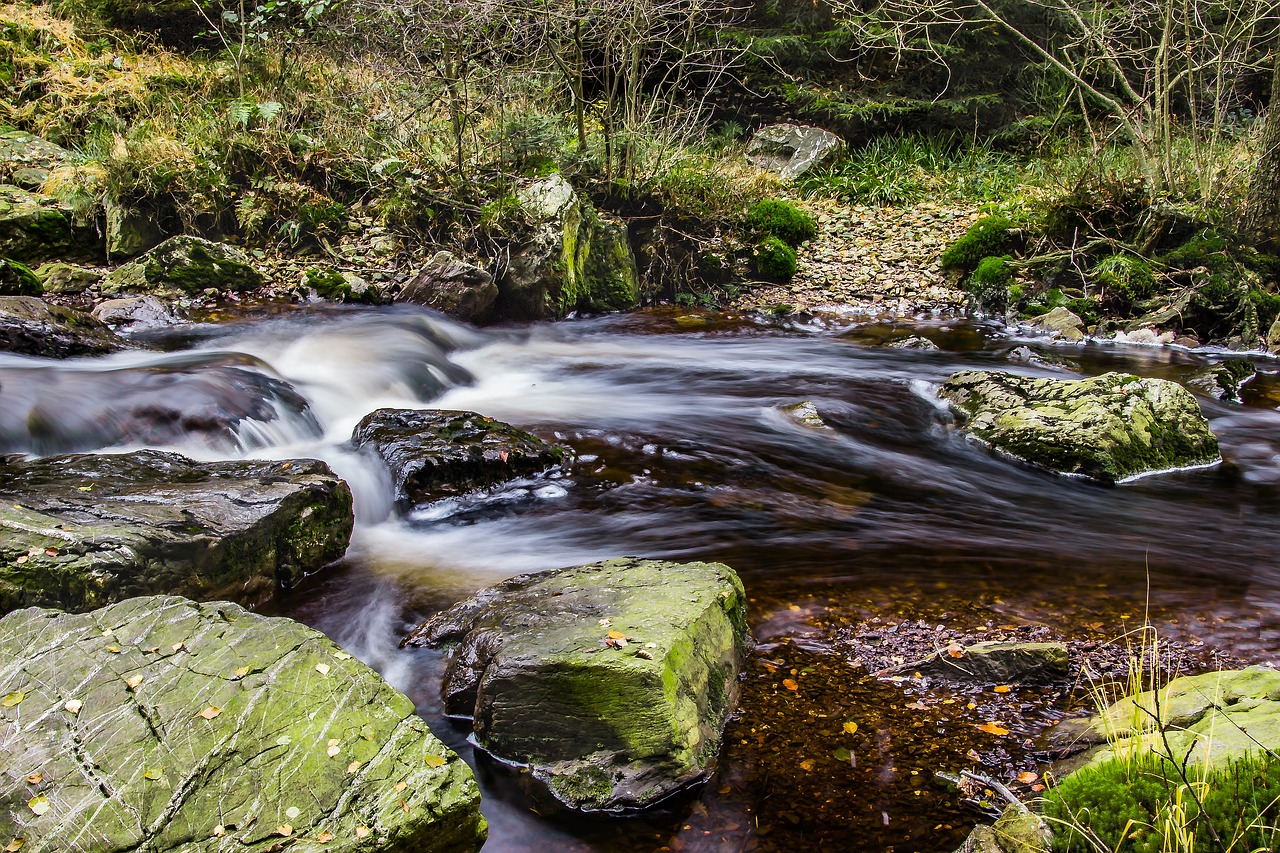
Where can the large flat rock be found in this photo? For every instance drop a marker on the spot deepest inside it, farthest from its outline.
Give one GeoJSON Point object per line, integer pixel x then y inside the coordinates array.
{"type": "Point", "coordinates": [1108, 427]}
{"type": "Point", "coordinates": [160, 724]}
{"type": "Point", "coordinates": [84, 530]}
{"type": "Point", "coordinates": [31, 326]}
{"type": "Point", "coordinates": [612, 681]}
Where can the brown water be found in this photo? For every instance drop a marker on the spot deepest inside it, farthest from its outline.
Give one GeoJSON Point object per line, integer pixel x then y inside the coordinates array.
{"type": "Point", "coordinates": [683, 454]}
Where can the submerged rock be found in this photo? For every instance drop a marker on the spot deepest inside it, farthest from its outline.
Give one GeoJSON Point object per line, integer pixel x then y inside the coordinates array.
{"type": "Point", "coordinates": [32, 326]}
{"type": "Point", "coordinates": [1107, 427]}
{"type": "Point", "coordinates": [453, 287]}
{"type": "Point", "coordinates": [164, 725]}
{"type": "Point", "coordinates": [914, 342]}
{"type": "Point", "coordinates": [995, 663]}
{"type": "Point", "coordinates": [805, 414]}
{"type": "Point", "coordinates": [612, 681]}
{"type": "Point", "coordinates": [185, 265]}
{"type": "Point", "coordinates": [791, 149]}
{"type": "Point", "coordinates": [433, 453]}
{"type": "Point", "coordinates": [81, 531]}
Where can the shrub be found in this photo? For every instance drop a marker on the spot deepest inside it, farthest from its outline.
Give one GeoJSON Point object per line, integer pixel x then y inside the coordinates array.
{"type": "Point", "coordinates": [986, 238]}
{"type": "Point", "coordinates": [783, 221]}
{"type": "Point", "coordinates": [775, 260]}
{"type": "Point", "coordinates": [1124, 278]}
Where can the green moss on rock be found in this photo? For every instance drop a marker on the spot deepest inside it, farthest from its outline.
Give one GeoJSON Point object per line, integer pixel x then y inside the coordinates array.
{"type": "Point", "coordinates": [185, 265]}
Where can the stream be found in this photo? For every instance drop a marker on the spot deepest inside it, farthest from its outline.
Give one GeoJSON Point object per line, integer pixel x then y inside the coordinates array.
{"type": "Point", "coordinates": [683, 453]}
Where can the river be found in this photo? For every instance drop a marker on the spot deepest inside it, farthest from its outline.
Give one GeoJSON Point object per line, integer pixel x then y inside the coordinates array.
{"type": "Point", "coordinates": [683, 452]}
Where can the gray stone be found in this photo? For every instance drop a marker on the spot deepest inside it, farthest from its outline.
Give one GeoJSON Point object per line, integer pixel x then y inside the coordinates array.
{"type": "Point", "coordinates": [611, 681]}
{"type": "Point", "coordinates": [59, 277]}
{"type": "Point", "coordinates": [135, 314]}
{"type": "Point", "coordinates": [914, 342]}
{"type": "Point", "coordinates": [81, 531]}
{"type": "Point", "coordinates": [1273, 338]}
{"type": "Point", "coordinates": [1223, 381]}
{"type": "Point", "coordinates": [34, 229]}
{"type": "Point", "coordinates": [453, 287]}
{"type": "Point", "coordinates": [161, 724]}
{"type": "Point", "coordinates": [995, 663]}
{"type": "Point", "coordinates": [1017, 831]}
{"type": "Point", "coordinates": [433, 454]}
{"type": "Point", "coordinates": [806, 414]}
{"type": "Point", "coordinates": [130, 232]}
{"type": "Point", "coordinates": [185, 266]}
{"type": "Point", "coordinates": [1061, 323]}
{"type": "Point", "coordinates": [26, 160]}
{"type": "Point", "coordinates": [31, 326]}
{"type": "Point", "coordinates": [791, 150]}
{"type": "Point", "coordinates": [1108, 427]}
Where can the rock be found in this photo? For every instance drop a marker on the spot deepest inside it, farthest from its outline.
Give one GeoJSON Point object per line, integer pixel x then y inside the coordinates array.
{"type": "Point", "coordinates": [34, 229]}
{"type": "Point", "coordinates": [1148, 337]}
{"type": "Point", "coordinates": [86, 530]}
{"type": "Point", "coordinates": [338, 286]}
{"type": "Point", "coordinates": [1223, 381]}
{"type": "Point", "coordinates": [26, 160]}
{"type": "Point", "coordinates": [1017, 831]}
{"type": "Point", "coordinates": [165, 725]}
{"type": "Point", "coordinates": [914, 342]}
{"type": "Point", "coordinates": [1108, 427]}
{"type": "Point", "coordinates": [611, 681]}
{"type": "Point", "coordinates": [806, 414]}
{"type": "Point", "coordinates": [17, 280]}
{"type": "Point", "coordinates": [130, 232]}
{"type": "Point", "coordinates": [1060, 323]}
{"type": "Point", "coordinates": [995, 663]}
{"type": "Point", "coordinates": [31, 326]}
{"type": "Point", "coordinates": [1027, 355]}
{"type": "Point", "coordinates": [434, 454]}
{"type": "Point", "coordinates": [1273, 338]}
{"type": "Point", "coordinates": [453, 287]}
{"type": "Point", "coordinates": [59, 277]}
{"type": "Point", "coordinates": [135, 314]}
{"type": "Point", "coordinates": [185, 266]}
{"type": "Point", "coordinates": [791, 150]}
{"type": "Point", "coordinates": [576, 260]}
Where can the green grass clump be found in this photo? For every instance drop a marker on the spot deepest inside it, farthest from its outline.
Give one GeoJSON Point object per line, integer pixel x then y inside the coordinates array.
{"type": "Point", "coordinates": [1142, 804]}
{"type": "Point", "coordinates": [775, 260]}
{"type": "Point", "coordinates": [990, 282]}
{"type": "Point", "coordinates": [988, 237]}
{"type": "Point", "coordinates": [783, 221]}
{"type": "Point", "coordinates": [1124, 278]}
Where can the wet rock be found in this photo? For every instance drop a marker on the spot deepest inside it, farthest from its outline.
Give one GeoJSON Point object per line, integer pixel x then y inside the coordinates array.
{"type": "Point", "coordinates": [1223, 381]}
{"type": "Point", "coordinates": [434, 453]}
{"type": "Point", "coordinates": [1106, 427]}
{"type": "Point", "coordinates": [914, 342]}
{"type": "Point", "coordinates": [338, 286]}
{"type": "Point", "coordinates": [995, 663]}
{"type": "Point", "coordinates": [82, 531]}
{"type": "Point", "coordinates": [1060, 323]}
{"type": "Point", "coordinates": [34, 229]}
{"type": "Point", "coordinates": [185, 266]}
{"type": "Point", "coordinates": [1144, 336]}
{"type": "Point", "coordinates": [576, 260]}
{"type": "Point", "coordinates": [130, 231]}
{"type": "Point", "coordinates": [612, 681]}
{"type": "Point", "coordinates": [806, 414]}
{"type": "Point", "coordinates": [17, 280]}
{"type": "Point", "coordinates": [26, 160]}
{"type": "Point", "coordinates": [1017, 831]}
{"type": "Point", "coordinates": [135, 314]}
{"type": "Point", "coordinates": [59, 277]}
{"type": "Point", "coordinates": [791, 150]}
{"type": "Point", "coordinates": [165, 725]}
{"type": "Point", "coordinates": [1027, 355]}
{"type": "Point", "coordinates": [453, 287]}
{"type": "Point", "coordinates": [1273, 338]}
{"type": "Point", "coordinates": [31, 326]}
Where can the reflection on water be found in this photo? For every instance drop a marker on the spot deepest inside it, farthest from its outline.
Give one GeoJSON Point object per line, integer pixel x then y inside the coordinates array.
{"type": "Point", "coordinates": [683, 452]}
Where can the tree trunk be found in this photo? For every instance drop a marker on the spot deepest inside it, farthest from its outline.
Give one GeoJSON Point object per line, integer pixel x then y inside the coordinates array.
{"type": "Point", "coordinates": [1262, 211]}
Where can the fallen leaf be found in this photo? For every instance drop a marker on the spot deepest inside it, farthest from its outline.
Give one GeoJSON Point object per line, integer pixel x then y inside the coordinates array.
{"type": "Point", "coordinates": [284, 829]}
{"type": "Point", "coordinates": [133, 681]}
{"type": "Point", "coordinates": [219, 831]}
{"type": "Point", "coordinates": [842, 754]}
{"type": "Point", "coordinates": [39, 805]}
{"type": "Point", "coordinates": [502, 454]}
{"type": "Point", "coordinates": [51, 552]}
{"type": "Point", "coordinates": [115, 650]}
{"type": "Point", "coordinates": [1037, 787]}
{"type": "Point", "coordinates": [790, 684]}
{"type": "Point", "coordinates": [362, 832]}
{"type": "Point", "coordinates": [292, 812]}
{"type": "Point", "coordinates": [807, 764]}
{"type": "Point", "coordinates": [993, 728]}
{"type": "Point", "coordinates": [322, 668]}
{"type": "Point", "coordinates": [177, 647]}
{"type": "Point", "coordinates": [401, 785]}
{"type": "Point", "coordinates": [404, 806]}
{"type": "Point", "coordinates": [153, 773]}
{"type": "Point", "coordinates": [15, 845]}
{"type": "Point", "coordinates": [616, 635]}
{"type": "Point", "coordinates": [284, 740]}
{"type": "Point", "coordinates": [435, 760]}
{"type": "Point", "coordinates": [353, 767]}
{"type": "Point", "coordinates": [955, 651]}
{"type": "Point", "coordinates": [1027, 777]}
{"type": "Point", "coordinates": [368, 732]}
{"type": "Point", "coordinates": [35, 778]}
{"type": "Point", "coordinates": [13, 698]}
{"type": "Point", "coordinates": [211, 712]}
{"type": "Point", "coordinates": [22, 559]}
{"type": "Point", "coordinates": [1002, 688]}
{"type": "Point", "coordinates": [242, 672]}
{"type": "Point", "coordinates": [324, 837]}
{"type": "Point", "coordinates": [850, 727]}
{"type": "Point", "coordinates": [341, 656]}
{"type": "Point", "coordinates": [73, 706]}
{"type": "Point", "coordinates": [334, 750]}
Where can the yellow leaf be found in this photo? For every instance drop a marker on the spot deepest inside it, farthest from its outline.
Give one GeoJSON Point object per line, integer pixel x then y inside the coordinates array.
{"type": "Point", "coordinates": [404, 806]}
{"type": "Point", "coordinates": [790, 684]}
{"type": "Point", "coordinates": [993, 728]}
{"type": "Point", "coordinates": [22, 559]}
{"type": "Point", "coordinates": [177, 647]}
{"type": "Point", "coordinates": [807, 765]}
{"type": "Point", "coordinates": [362, 832]}
{"type": "Point", "coordinates": [435, 760]}
{"type": "Point", "coordinates": [153, 773]}
{"type": "Point", "coordinates": [211, 712]}
{"type": "Point", "coordinates": [115, 650]}
{"type": "Point", "coordinates": [284, 829]}
{"type": "Point", "coordinates": [334, 750]}
{"type": "Point", "coordinates": [39, 804]}
{"type": "Point", "coordinates": [955, 651]}
{"type": "Point", "coordinates": [15, 845]}
{"type": "Point", "coordinates": [51, 552]}
{"type": "Point", "coordinates": [242, 672]}
{"type": "Point", "coordinates": [333, 741]}
{"type": "Point", "coordinates": [1002, 688]}
{"type": "Point", "coordinates": [353, 767]}
{"type": "Point", "coordinates": [322, 668]}
{"type": "Point", "coordinates": [73, 706]}
{"type": "Point", "coordinates": [850, 727]}
{"type": "Point", "coordinates": [35, 778]}
{"type": "Point", "coordinates": [292, 812]}
{"type": "Point", "coordinates": [133, 681]}
{"type": "Point", "coordinates": [401, 785]}
{"type": "Point", "coordinates": [1028, 777]}
{"type": "Point", "coordinates": [13, 698]}
{"type": "Point", "coordinates": [616, 635]}
{"type": "Point", "coordinates": [324, 837]}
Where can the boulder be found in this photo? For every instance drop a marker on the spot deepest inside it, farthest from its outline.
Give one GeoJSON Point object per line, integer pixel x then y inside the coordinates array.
{"type": "Point", "coordinates": [165, 725]}
{"type": "Point", "coordinates": [135, 314]}
{"type": "Point", "coordinates": [185, 266]}
{"type": "Point", "coordinates": [18, 280]}
{"type": "Point", "coordinates": [1273, 338]}
{"type": "Point", "coordinates": [576, 260]}
{"type": "Point", "coordinates": [26, 160]}
{"type": "Point", "coordinates": [994, 663]}
{"type": "Point", "coordinates": [1017, 831]}
{"type": "Point", "coordinates": [806, 414]}
{"type": "Point", "coordinates": [130, 231]}
{"type": "Point", "coordinates": [1109, 427]}
{"type": "Point", "coordinates": [81, 531]}
{"type": "Point", "coordinates": [791, 149]}
{"type": "Point", "coordinates": [32, 326]}
{"type": "Point", "coordinates": [1060, 323]}
{"type": "Point", "coordinates": [914, 342]}
{"type": "Point", "coordinates": [612, 682]}
{"type": "Point", "coordinates": [34, 229]}
{"type": "Point", "coordinates": [1223, 381]}
{"type": "Point", "coordinates": [453, 287]}
{"type": "Point", "coordinates": [59, 277]}
{"type": "Point", "coordinates": [434, 454]}
{"type": "Point", "coordinates": [338, 286]}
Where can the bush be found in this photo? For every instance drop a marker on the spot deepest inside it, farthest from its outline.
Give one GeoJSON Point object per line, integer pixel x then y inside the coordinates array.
{"type": "Point", "coordinates": [783, 221]}
{"type": "Point", "coordinates": [775, 260]}
{"type": "Point", "coordinates": [1135, 805]}
{"type": "Point", "coordinates": [1125, 279]}
{"type": "Point", "coordinates": [988, 237]}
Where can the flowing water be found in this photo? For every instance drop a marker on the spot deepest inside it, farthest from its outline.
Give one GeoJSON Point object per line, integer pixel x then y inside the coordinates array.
{"type": "Point", "coordinates": [683, 452]}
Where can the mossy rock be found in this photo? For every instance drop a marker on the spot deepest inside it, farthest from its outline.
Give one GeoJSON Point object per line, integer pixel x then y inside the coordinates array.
{"type": "Point", "coordinates": [161, 724]}
{"type": "Point", "coordinates": [81, 531]}
{"type": "Point", "coordinates": [776, 218]}
{"type": "Point", "coordinates": [31, 326]}
{"type": "Point", "coordinates": [1108, 427]}
{"type": "Point", "coordinates": [34, 229]}
{"type": "Point", "coordinates": [185, 265]}
{"type": "Point", "coordinates": [611, 681]}
{"type": "Point", "coordinates": [989, 237]}
{"type": "Point", "coordinates": [26, 160]}
{"type": "Point", "coordinates": [774, 259]}
{"type": "Point", "coordinates": [59, 277]}
{"type": "Point", "coordinates": [18, 280]}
